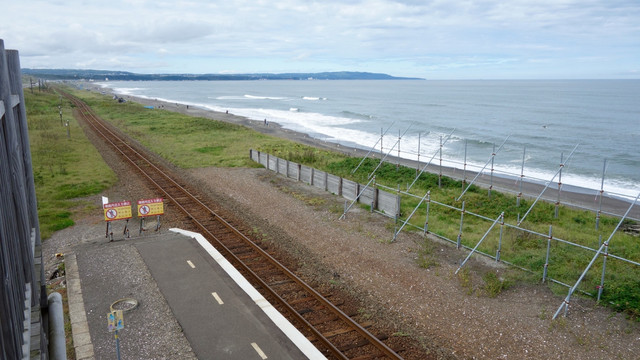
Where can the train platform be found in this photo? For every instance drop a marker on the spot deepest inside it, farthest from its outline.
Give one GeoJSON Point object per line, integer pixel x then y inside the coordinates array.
{"type": "Point", "coordinates": [191, 303]}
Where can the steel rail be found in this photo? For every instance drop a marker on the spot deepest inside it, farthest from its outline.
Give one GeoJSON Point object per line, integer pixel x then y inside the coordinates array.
{"type": "Point", "coordinates": [373, 340]}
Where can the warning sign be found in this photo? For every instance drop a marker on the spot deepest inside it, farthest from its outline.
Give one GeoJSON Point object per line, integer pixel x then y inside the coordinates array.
{"type": "Point", "coordinates": [117, 211]}
{"type": "Point", "coordinates": [150, 207]}
{"type": "Point", "coordinates": [115, 320]}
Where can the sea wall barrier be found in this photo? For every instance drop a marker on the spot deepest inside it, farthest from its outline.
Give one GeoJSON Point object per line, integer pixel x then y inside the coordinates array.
{"type": "Point", "coordinates": [383, 202]}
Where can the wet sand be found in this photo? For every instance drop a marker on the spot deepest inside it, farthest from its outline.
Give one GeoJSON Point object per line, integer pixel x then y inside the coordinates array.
{"type": "Point", "coordinates": [586, 199]}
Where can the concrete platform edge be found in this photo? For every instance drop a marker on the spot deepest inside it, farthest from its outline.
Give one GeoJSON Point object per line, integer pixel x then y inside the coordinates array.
{"type": "Point", "coordinates": [79, 326]}
{"type": "Point", "coordinates": [278, 319]}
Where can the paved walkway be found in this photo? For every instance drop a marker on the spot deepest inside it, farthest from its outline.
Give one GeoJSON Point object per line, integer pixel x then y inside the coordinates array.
{"type": "Point", "coordinates": [219, 313]}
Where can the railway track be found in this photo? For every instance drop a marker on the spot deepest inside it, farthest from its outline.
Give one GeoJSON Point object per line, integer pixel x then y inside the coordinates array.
{"type": "Point", "coordinates": [335, 333]}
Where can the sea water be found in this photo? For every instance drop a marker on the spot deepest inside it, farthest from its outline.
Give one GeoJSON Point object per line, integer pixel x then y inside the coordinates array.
{"type": "Point", "coordinates": [533, 125]}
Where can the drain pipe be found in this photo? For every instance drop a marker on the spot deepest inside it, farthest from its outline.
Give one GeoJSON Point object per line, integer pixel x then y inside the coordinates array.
{"type": "Point", "coordinates": [57, 342]}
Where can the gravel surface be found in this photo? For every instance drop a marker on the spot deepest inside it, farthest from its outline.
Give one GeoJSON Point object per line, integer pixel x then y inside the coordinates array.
{"type": "Point", "coordinates": [450, 317]}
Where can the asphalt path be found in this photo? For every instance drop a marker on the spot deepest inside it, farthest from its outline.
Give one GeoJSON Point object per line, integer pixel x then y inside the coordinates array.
{"type": "Point", "coordinates": [218, 318]}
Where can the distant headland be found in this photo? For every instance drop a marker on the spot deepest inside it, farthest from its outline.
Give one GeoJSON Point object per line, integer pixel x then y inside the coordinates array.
{"type": "Point", "coordinates": [103, 75]}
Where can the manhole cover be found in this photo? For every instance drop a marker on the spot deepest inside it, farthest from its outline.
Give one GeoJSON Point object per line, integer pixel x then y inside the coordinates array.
{"type": "Point", "coordinates": [125, 305]}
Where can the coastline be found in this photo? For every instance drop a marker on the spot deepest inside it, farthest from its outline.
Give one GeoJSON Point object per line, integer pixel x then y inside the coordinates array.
{"type": "Point", "coordinates": [586, 199]}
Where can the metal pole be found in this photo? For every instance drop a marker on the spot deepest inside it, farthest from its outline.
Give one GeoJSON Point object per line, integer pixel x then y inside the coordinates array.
{"type": "Point", "coordinates": [500, 239]}
{"type": "Point", "coordinates": [461, 222]}
{"type": "Point", "coordinates": [546, 262]}
{"type": "Point", "coordinates": [426, 222]}
{"type": "Point", "coordinates": [418, 166]}
{"type": "Point", "coordinates": [395, 234]}
{"type": "Point", "coordinates": [565, 303]}
{"type": "Point", "coordinates": [381, 148]}
{"type": "Point", "coordinates": [393, 147]}
{"type": "Point", "coordinates": [545, 188]}
{"type": "Point", "coordinates": [559, 185]}
{"type": "Point", "coordinates": [524, 151]}
{"type": "Point", "coordinates": [481, 240]}
{"type": "Point", "coordinates": [398, 159]}
{"type": "Point", "coordinates": [428, 163]}
{"type": "Point", "coordinates": [481, 170]}
{"type": "Point", "coordinates": [373, 147]}
{"type": "Point", "coordinates": [493, 156]}
{"type": "Point", "coordinates": [464, 165]}
{"type": "Point", "coordinates": [117, 344]}
{"type": "Point", "coordinates": [604, 168]}
{"type": "Point", "coordinates": [440, 171]}
{"type": "Point", "coordinates": [604, 269]}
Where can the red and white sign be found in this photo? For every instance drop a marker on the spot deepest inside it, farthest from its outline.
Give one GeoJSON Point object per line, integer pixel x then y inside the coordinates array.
{"type": "Point", "coordinates": [117, 210]}
{"type": "Point", "coordinates": [150, 207]}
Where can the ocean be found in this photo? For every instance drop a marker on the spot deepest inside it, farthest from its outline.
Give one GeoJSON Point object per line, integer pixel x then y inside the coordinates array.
{"type": "Point", "coordinates": [540, 121]}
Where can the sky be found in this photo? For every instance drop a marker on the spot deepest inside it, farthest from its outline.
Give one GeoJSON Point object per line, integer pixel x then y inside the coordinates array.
{"type": "Point", "coordinates": [440, 39]}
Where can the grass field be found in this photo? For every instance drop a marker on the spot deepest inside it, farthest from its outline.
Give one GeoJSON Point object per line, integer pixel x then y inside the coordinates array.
{"type": "Point", "coordinates": [191, 142]}
{"type": "Point", "coordinates": [66, 168]}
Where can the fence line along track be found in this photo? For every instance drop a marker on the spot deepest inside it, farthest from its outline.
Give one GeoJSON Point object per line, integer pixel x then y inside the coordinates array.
{"type": "Point", "coordinates": [331, 330]}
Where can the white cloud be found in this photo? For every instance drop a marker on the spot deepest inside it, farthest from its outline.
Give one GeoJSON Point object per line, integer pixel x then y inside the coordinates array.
{"type": "Point", "coordinates": [416, 38]}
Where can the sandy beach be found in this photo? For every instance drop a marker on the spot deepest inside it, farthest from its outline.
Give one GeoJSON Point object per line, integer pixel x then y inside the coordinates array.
{"type": "Point", "coordinates": [586, 199]}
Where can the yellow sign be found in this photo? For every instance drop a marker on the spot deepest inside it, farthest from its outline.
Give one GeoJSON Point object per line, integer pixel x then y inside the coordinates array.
{"type": "Point", "coordinates": [117, 211]}
{"type": "Point", "coordinates": [150, 207]}
{"type": "Point", "coordinates": [115, 320]}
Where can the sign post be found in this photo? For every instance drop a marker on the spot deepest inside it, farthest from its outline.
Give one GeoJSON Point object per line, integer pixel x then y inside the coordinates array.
{"type": "Point", "coordinates": [150, 207]}
{"type": "Point", "coordinates": [117, 211]}
{"type": "Point", "coordinates": [115, 322]}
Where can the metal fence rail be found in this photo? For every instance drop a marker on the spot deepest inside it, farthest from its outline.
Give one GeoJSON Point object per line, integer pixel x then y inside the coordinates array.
{"type": "Point", "coordinates": [385, 203]}
{"type": "Point", "coordinates": [23, 294]}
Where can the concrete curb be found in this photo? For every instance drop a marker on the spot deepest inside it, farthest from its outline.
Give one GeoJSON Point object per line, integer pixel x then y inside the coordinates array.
{"type": "Point", "coordinates": [77, 313]}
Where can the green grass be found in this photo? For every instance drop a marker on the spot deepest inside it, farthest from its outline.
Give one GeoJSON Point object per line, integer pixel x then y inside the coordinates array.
{"type": "Point", "coordinates": [190, 142]}
{"type": "Point", "coordinates": [64, 168]}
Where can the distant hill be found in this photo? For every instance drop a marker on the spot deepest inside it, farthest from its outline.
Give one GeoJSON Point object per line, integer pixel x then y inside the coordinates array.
{"type": "Point", "coordinates": [101, 75]}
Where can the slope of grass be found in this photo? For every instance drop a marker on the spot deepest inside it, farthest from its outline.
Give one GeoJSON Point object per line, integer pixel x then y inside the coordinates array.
{"type": "Point", "coordinates": [65, 167]}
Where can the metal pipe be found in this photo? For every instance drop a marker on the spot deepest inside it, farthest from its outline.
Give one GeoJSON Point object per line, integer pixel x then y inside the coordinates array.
{"type": "Point", "coordinates": [426, 222]}
{"type": "Point", "coordinates": [604, 168]}
{"type": "Point", "coordinates": [427, 164]}
{"type": "Point", "coordinates": [398, 159]}
{"type": "Point", "coordinates": [500, 239]}
{"type": "Point", "coordinates": [440, 170]}
{"type": "Point", "coordinates": [395, 234]}
{"type": "Point", "coordinates": [464, 165]}
{"type": "Point", "coordinates": [373, 147]}
{"type": "Point", "coordinates": [549, 183]}
{"type": "Point", "coordinates": [485, 165]}
{"type": "Point", "coordinates": [461, 222]}
{"type": "Point", "coordinates": [524, 151]}
{"type": "Point", "coordinates": [559, 186]}
{"type": "Point", "coordinates": [480, 242]}
{"type": "Point", "coordinates": [393, 147]}
{"type": "Point", "coordinates": [565, 304]}
{"type": "Point", "coordinates": [546, 262]}
{"type": "Point", "coordinates": [604, 269]}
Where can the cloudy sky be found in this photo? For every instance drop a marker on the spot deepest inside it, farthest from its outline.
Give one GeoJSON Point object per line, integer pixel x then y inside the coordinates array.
{"type": "Point", "coordinates": [440, 39]}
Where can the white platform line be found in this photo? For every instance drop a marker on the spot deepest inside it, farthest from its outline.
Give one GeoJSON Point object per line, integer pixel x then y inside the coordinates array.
{"type": "Point", "coordinates": [259, 351]}
{"type": "Point", "coordinates": [215, 296]}
{"type": "Point", "coordinates": [280, 321]}
{"type": "Point", "coordinates": [191, 264]}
